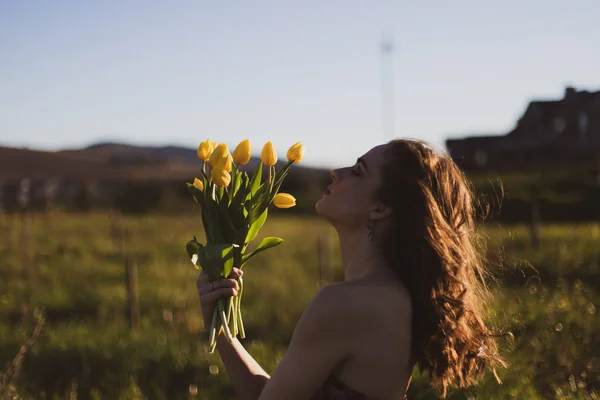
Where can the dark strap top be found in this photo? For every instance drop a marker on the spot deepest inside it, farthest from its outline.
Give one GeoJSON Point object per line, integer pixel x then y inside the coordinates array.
{"type": "Point", "coordinates": [334, 389]}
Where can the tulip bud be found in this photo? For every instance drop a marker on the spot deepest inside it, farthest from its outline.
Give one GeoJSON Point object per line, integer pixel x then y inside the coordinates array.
{"type": "Point", "coordinates": [205, 150]}
{"type": "Point", "coordinates": [225, 162]}
{"type": "Point", "coordinates": [218, 153]}
{"type": "Point", "coordinates": [284, 200]}
{"type": "Point", "coordinates": [198, 184]}
{"type": "Point", "coordinates": [242, 153]}
{"type": "Point", "coordinates": [296, 153]}
{"type": "Point", "coordinates": [220, 177]}
{"type": "Point", "coordinates": [268, 154]}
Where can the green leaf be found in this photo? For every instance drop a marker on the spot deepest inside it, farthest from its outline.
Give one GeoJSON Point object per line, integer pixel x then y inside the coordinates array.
{"type": "Point", "coordinates": [193, 249]}
{"type": "Point", "coordinates": [208, 211]}
{"type": "Point", "coordinates": [212, 222]}
{"type": "Point", "coordinates": [240, 182]}
{"type": "Point", "coordinates": [237, 256]}
{"type": "Point", "coordinates": [229, 229]}
{"type": "Point", "coordinates": [228, 262]}
{"type": "Point", "coordinates": [208, 227]}
{"type": "Point", "coordinates": [196, 193]}
{"type": "Point", "coordinates": [207, 189]}
{"type": "Point", "coordinates": [259, 203]}
{"type": "Point", "coordinates": [240, 194]}
{"type": "Point", "coordinates": [256, 225]}
{"type": "Point", "coordinates": [264, 244]}
{"type": "Point", "coordinates": [240, 224]}
{"type": "Point", "coordinates": [279, 177]}
{"type": "Point", "coordinates": [217, 260]}
{"type": "Point", "coordinates": [256, 178]}
{"type": "Point", "coordinates": [248, 208]}
{"type": "Point", "coordinates": [225, 197]}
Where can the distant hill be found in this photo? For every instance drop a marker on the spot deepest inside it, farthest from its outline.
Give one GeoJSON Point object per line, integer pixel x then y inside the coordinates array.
{"type": "Point", "coordinates": [18, 163]}
{"type": "Point", "coordinates": [112, 161]}
{"type": "Point", "coordinates": [120, 150]}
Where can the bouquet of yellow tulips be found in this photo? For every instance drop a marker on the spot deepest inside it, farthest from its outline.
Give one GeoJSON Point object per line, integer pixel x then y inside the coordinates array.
{"type": "Point", "coordinates": [234, 208]}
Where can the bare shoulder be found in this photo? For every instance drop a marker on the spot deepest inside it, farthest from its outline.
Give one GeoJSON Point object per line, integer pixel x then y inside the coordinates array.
{"type": "Point", "coordinates": [325, 321]}
{"type": "Point", "coordinates": [356, 303]}
{"type": "Point", "coordinates": [330, 311]}
{"type": "Point", "coordinates": [338, 298]}
{"type": "Point", "coordinates": [330, 302]}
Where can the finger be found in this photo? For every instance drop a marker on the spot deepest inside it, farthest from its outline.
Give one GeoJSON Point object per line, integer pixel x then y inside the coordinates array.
{"type": "Point", "coordinates": [220, 284]}
{"type": "Point", "coordinates": [205, 288]}
{"type": "Point", "coordinates": [215, 295]}
{"type": "Point", "coordinates": [202, 278]}
{"type": "Point", "coordinates": [235, 283]}
{"type": "Point", "coordinates": [236, 273]}
{"type": "Point", "coordinates": [224, 283]}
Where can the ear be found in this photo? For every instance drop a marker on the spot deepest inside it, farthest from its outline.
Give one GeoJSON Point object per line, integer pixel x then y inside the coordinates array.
{"type": "Point", "coordinates": [380, 211]}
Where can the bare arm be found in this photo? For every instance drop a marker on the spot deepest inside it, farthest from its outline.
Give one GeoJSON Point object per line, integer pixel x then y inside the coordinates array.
{"type": "Point", "coordinates": [320, 344]}
{"type": "Point", "coordinates": [247, 377]}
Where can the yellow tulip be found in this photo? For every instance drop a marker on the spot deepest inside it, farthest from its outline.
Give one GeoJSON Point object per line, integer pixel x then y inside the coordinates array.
{"type": "Point", "coordinates": [220, 177]}
{"type": "Point", "coordinates": [268, 154]}
{"type": "Point", "coordinates": [218, 153]}
{"type": "Point", "coordinates": [296, 153]}
{"type": "Point", "coordinates": [225, 162]}
{"type": "Point", "coordinates": [205, 150]}
{"type": "Point", "coordinates": [242, 153]}
{"type": "Point", "coordinates": [198, 184]}
{"type": "Point", "coordinates": [284, 200]}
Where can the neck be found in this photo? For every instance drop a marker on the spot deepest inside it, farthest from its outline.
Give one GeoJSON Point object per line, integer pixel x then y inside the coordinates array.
{"type": "Point", "coordinates": [360, 257]}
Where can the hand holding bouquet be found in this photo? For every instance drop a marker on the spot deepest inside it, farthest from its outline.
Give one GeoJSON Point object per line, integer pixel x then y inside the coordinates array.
{"type": "Point", "coordinates": [234, 206]}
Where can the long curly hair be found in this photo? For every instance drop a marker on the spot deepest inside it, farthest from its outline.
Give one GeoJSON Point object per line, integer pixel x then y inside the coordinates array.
{"type": "Point", "coordinates": [433, 247]}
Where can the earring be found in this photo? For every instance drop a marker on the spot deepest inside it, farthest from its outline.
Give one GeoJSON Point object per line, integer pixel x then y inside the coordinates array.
{"type": "Point", "coordinates": [370, 231]}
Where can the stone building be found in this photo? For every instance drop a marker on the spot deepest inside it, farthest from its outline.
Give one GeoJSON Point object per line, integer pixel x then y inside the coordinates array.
{"type": "Point", "coordinates": [549, 132]}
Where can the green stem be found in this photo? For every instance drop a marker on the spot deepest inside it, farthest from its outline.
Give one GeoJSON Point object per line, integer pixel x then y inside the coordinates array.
{"type": "Point", "coordinates": [213, 328]}
{"type": "Point", "coordinates": [241, 325]}
{"type": "Point", "coordinates": [224, 321]}
{"type": "Point", "coordinates": [229, 308]}
{"type": "Point", "coordinates": [271, 181]}
{"type": "Point", "coordinates": [234, 178]}
{"type": "Point", "coordinates": [235, 315]}
{"type": "Point", "coordinates": [231, 315]}
{"type": "Point", "coordinates": [239, 314]}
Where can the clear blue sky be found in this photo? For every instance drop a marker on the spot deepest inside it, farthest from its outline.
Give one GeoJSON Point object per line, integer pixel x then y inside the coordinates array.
{"type": "Point", "coordinates": [175, 72]}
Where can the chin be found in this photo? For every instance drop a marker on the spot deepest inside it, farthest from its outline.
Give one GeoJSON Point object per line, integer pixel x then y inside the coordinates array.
{"type": "Point", "coordinates": [319, 206]}
{"type": "Point", "coordinates": [322, 207]}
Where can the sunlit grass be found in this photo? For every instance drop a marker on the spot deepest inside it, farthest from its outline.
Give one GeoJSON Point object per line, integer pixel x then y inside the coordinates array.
{"type": "Point", "coordinates": [73, 266]}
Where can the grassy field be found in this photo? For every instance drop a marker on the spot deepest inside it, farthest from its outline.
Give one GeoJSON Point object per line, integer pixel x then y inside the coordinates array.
{"type": "Point", "coordinates": [73, 266]}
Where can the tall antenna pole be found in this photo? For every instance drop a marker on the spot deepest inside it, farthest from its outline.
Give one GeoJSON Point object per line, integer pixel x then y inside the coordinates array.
{"type": "Point", "coordinates": [387, 88]}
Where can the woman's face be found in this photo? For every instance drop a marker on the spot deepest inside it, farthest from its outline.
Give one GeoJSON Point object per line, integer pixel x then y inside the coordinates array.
{"type": "Point", "coordinates": [350, 200]}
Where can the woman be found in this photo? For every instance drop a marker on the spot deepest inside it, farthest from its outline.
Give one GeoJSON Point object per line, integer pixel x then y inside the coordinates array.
{"type": "Point", "coordinates": [412, 290]}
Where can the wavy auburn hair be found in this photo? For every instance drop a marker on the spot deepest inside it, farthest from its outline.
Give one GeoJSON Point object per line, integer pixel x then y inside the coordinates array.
{"type": "Point", "coordinates": [432, 246]}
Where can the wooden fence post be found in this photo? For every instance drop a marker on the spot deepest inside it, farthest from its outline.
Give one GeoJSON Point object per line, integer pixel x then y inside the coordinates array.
{"type": "Point", "coordinates": [132, 293]}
